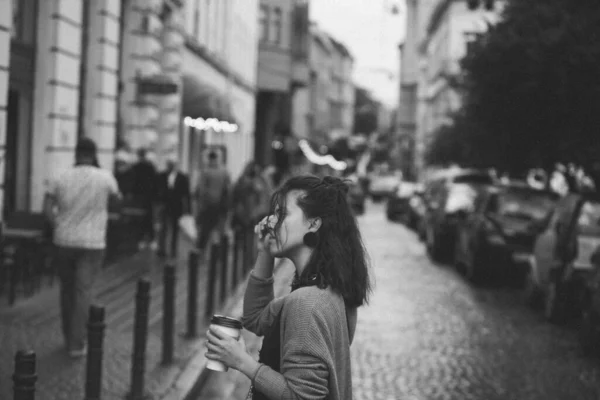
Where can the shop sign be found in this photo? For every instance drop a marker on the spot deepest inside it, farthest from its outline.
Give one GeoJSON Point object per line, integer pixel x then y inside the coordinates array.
{"type": "Point", "coordinates": [156, 85]}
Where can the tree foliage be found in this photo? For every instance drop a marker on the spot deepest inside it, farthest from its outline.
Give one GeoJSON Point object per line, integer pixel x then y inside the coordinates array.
{"type": "Point", "coordinates": [531, 90]}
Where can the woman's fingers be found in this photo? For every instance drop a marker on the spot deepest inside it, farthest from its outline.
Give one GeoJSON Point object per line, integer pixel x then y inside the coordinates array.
{"type": "Point", "coordinates": [213, 348]}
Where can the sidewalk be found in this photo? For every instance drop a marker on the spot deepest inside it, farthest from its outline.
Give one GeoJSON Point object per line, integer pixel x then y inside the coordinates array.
{"type": "Point", "coordinates": [35, 324]}
{"type": "Point", "coordinates": [234, 385]}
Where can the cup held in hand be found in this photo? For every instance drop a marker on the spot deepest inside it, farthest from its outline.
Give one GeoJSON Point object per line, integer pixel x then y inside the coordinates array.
{"type": "Point", "coordinates": [229, 326]}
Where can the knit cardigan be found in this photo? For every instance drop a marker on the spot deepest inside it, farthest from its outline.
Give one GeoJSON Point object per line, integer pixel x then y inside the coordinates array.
{"type": "Point", "coordinates": [316, 332]}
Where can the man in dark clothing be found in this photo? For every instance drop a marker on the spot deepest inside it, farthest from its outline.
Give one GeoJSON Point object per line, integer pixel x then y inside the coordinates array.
{"type": "Point", "coordinates": [144, 192]}
{"type": "Point", "coordinates": [174, 189]}
{"type": "Point", "coordinates": [212, 199]}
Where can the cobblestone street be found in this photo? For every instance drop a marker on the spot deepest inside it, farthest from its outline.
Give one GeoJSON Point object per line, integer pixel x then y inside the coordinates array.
{"type": "Point", "coordinates": [427, 334]}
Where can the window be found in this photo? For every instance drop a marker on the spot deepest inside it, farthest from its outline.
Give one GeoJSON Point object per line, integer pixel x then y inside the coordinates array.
{"type": "Point", "coordinates": [264, 23]}
{"type": "Point", "coordinates": [23, 21]}
{"type": "Point", "coordinates": [17, 19]}
{"type": "Point", "coordinates": [277, 24]}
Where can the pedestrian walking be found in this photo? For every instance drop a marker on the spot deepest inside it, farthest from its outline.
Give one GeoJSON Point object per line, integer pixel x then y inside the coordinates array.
{"type": "Point", "coordinates": [174, 189]}
{"type": "Point", "coordinates": [248, 197]}
{"type": "Point", "coordinates": [212, 199]}
{"type": "Point", "coordinates": [307, 334]}
{"type": "Point", "coordinates": [144, 193]}
{"type": "Point", "coordinates": [77, 205]}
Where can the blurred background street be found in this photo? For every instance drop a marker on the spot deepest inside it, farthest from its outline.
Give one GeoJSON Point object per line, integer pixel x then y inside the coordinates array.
{"type": "Point", "coordinates": [467, 131]}
{"type": "Point", "coordinates": [429, 334]}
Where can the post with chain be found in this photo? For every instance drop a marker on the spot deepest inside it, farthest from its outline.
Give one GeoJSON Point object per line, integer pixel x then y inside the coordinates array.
{"type": "Point", "coordinates": [140, 339]}
{"type": "Point", "coordinates": [168, 337]}
{"type": "Point", "coordinates": [24, 376]}
{"type": "Point", "coordinates": [224, 265]}
{"type": "Point", "coordinates": [93, 376]}
{"type": "Point", "coordinates": [211, 283]}
{"type": "Point", "coordinates": [192, 300]}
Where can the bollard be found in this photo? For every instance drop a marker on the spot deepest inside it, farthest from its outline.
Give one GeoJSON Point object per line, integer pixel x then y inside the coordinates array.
{"type": "Point", "coordinates": [245, 251]}
{"type": "Point", "coordinates": [168, 337]}
{"type": "Point", "coordinates": [224, 265]}
{"type": "Point", "coordinates": [24, 376]}
{"type": "Point", "coordinates": [93, 376]}
{"type": "Point", "coordinates": [140, 338]}
{"type": "Point", "coordinates": [236, 258]}
{"type": "Point", "coordinates": [211, 283]}
{"type": "Point", "coordinates": [192, 303]}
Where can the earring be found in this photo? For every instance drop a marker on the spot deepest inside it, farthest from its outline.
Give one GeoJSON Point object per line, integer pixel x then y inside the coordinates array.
{"type": "Point", "coordinates": [310, 239]}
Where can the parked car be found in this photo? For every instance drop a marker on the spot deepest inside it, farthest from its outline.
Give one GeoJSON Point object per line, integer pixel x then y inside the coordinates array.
{"type": "Point", "coordinates": [441, 218]}
{"type": "Point", "coordinates": [397, 206]}
{"type": "Point", "coordinates": [356, 194]}
{"type": "Point", "coordinates": [383, 185]}
{"type": "Point", "coordinates": [561, 264]}
{"type": "Point", "coordinates": [589, 325]}
{"type": "Point", "coordinates": [497, 238]}
{"type": "Point", "coordinates": [417, 210]}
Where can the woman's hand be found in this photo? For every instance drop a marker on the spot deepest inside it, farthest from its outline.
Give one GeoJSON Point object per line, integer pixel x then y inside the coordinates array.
{"type": "Point", "coordinates": [231, 352]}
{"type": "Point", "coordinates": [262, 230]}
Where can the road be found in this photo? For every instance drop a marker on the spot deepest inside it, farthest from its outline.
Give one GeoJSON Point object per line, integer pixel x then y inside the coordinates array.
{"type": "Point", "coordinates": [427, 334]}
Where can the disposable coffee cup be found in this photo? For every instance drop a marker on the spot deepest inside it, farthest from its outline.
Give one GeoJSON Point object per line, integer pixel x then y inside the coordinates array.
{"type": "Point", "coordinates": [229, 326]}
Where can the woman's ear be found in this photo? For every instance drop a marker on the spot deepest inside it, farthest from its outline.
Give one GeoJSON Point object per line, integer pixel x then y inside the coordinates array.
{"type": "Point", "coordinates": [315, 224]}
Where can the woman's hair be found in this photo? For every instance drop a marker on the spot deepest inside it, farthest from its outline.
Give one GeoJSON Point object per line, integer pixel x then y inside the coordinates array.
{"type": "Point", "coordinates": [339, 259]}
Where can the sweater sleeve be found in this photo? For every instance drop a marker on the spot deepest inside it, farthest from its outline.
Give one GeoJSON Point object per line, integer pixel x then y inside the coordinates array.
{"type": "Point", "coordinates": [260, 306]}
{"type": "Point", "coordinates": [304, 372]}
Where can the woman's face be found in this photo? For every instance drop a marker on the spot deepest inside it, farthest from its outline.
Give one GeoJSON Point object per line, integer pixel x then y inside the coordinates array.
{"type": "Point", "coordinates": [292, 229]}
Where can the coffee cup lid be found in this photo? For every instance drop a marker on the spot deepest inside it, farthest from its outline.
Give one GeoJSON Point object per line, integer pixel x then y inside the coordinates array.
{"type": "Point", "coordinates": [226, 321]}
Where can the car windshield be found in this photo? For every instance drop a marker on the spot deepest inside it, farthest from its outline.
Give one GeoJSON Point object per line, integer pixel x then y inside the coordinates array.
{"type": "Point", "coordinates": [525, 204]}
{"type": "Point", "coordinates": [589, 219]}
{"type": "Point", "coordinates": [461, 197]}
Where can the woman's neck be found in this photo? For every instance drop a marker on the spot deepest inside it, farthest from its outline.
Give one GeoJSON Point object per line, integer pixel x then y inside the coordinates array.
{"type": "Point", "coordinates": [300, 258]}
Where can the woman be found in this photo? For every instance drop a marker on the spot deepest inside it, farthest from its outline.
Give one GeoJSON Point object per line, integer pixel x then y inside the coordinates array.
{"type": "Point", "coordinates": [306, 349]}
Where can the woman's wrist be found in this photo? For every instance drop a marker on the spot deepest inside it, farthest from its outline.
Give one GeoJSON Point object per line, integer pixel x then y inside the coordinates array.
{"type": "Point", "coordinates": [265, 263]}
{"type": "Point", "coordinates": [250, 367]}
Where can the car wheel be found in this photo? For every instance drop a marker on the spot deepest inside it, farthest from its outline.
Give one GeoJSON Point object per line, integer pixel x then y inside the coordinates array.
{"type": "Point", "coordinates": [589, 331]}
{"type": "Point", "coordinates": [459, 264]}
{"type": "Point", "coordinates": [433, 246]}
{"type": "Point", "coordinates": [421, 231]}
{"type": "Point", "coordinates": [474, 271]}
{"type": "Point", "coordinates": [554, 305]}
{"type": "Point", "coordinates": [531, 291]}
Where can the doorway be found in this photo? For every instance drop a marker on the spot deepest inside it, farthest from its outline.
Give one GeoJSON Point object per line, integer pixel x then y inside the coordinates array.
{"type": "Point", "coordinates": [17, 158]}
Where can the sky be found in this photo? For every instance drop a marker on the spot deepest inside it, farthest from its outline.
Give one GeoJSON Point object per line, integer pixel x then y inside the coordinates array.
{"type": "Point", "coordinates": [372, 35]}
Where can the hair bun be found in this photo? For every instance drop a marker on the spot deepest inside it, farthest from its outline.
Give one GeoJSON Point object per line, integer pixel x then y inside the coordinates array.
{"type": "Point", "coordinates": [336, 183]}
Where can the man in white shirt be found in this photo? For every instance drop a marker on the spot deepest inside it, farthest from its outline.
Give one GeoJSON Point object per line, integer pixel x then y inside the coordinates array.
{"type": "Point", "coordinates": [77, 204]}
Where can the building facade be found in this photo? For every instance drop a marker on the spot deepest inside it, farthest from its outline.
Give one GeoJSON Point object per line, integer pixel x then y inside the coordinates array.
{"type": "Point", "coordinates": [451, 26]}
{"type": "Point", "coordinates": [417, 16]}
{"type": "Point", "coordinates": [219, 78]}
{"type": "Point", "coordinates": [59, 69]}
{"type": "Point", "coordinates": [282, 72]}
{"type": "Point", "coordinates": [324, 110]}
{"type": "Point", "coordinates": [126, 73]}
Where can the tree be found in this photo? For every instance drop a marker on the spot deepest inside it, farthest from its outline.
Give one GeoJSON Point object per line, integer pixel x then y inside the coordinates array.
{"type": "Point", "coordinates": [531, 88]}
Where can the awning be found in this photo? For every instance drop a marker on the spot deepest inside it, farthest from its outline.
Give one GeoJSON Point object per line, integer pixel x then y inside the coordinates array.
{"type": "Point", "coordinates": [200, 100]}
